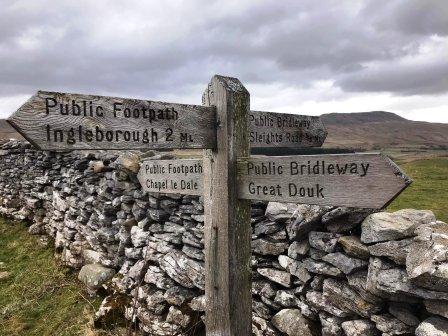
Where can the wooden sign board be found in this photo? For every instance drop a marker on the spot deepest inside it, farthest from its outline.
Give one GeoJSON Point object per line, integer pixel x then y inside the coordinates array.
{"type": "Point", "coordinates": [172, 176]}
{"type": "Point", "coordinates": [352, 180]}
{"type": "Point", "coordinates": [270, 129]}
{"type": "Point", "coordinates": [55, 121]}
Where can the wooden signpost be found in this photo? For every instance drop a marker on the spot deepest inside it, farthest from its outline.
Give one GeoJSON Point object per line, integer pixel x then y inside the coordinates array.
{"type": "Point", "coordinates": [227, 176]}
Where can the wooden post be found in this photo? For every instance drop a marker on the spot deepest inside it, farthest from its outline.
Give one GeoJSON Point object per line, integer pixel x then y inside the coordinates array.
{"type": "Point", "coordinates": [227, 218]}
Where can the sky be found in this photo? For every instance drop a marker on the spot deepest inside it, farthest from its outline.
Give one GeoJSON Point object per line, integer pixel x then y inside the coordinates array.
{"type": "Point", "coordinates": [304, 57]}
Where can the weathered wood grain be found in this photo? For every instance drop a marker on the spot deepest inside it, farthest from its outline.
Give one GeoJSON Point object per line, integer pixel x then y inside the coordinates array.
{"type": "Point", "coordinates": [352, 180]}
{"type": "Point", "coordinates": [172, 176]}
{"type": "Point", "coordinates": [227, 218]}
{"type": "Point", "coordinates": [55, 121]}
{"type": "Point", "coordinates": [271, 129]}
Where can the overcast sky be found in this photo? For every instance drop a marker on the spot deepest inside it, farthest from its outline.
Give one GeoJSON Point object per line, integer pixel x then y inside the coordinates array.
{"type": "Point", "coordinates": [298, 56]}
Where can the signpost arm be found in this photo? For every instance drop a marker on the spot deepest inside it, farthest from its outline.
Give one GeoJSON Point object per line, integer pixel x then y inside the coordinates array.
{"type": "Point", "coordinates": [227, 218]}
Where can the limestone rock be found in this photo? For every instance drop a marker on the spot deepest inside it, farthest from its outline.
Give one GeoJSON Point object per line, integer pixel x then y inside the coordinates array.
{"type": "Point", "coordinates": [137, 271]}
{"type": "Point", "coordinates": [187, 272]}
{"type": "Point", "coordinates": [267, 227]}
{"type": "Point", "coordinates": [155, 300]}
{"type": "Point", "coordinates": [389, 325]}
{"type": "Point", "coordinates": [260, 327]}
{"type": "Point", "coordinates": [156, 325]}
{"type": "Point", "coordinates": [343, 219]}
{"type": "Point", "coordinates": [298, 249]}
{"type": "Point", "coordinates": [91, 257]}
{"type": "Point", "coordinates": [433, 326]}
{"type": "Point", "coordinates": [306, 218]}
{"type": "Point", "coordinates": [438, 307]}
{"type": "Point", "coordinates": [360, 328]}
{"type": "Point", "coordinates": [139, 237]}
{"type": "Point", "coordinates": [353, 247]}
{"type": "Point", "coordinates": [322, 303]}
{"type": "Point", "coordinates": [320, 267]}
{"type": "Point", "coordinates": [317, 254]}
{"type": "Point", "coordinates": [395, 281]}
{"type": "Point", "coordinates": [154, 275]}
{"type": "Point", "coordinates": [94, 275]}
{"type": "Point", "coordinates": [358, 281]}
{"type": "Point", "coordinates": [394, 250]}
{"type": "Point", "coordinates": [383, 226]}
{"type": "Point", "coordinates": [97, 166]}
{"type": "Point", "coordinates": [404, 313]}
{"type": "Point", "coordinates": [261, 309]}
{"type": "Point", "coordinates": [292, 323]}
{"type": "Point", "coordinates": [263, 287]}
{"type": "Point", "coordinates": [276, 211]}
{"type": "Point", "coordinates": [331, 325]}
{"type": "Point", "coordinates": [175, 316]}
{"type": "Point", "coordinates": [129, 161]}
{"type": "Point", "coordinates": [265, 247]}
{"type": "Point", "coordinates": [345, 298]}
{"type": "Point", "coordinates": [285, 261]}
{"type": "Point", "coordinates": [111, 307]}
{"type": "Point", "coordinates": [427, 261]}
{"type": "Point", "coordinates": [4, 275]}
{"type": "Point", "coordinates": [317, 282]}
{"type": "Point", "coordinates": [307, 311]}
{"type": "Point", "coordinates": [286, 298]}
{"type": "Point", "coordinates": [323, 241]}
{"type": "Point", "coordinates": [198, 303]}
{"type": "Point", "coordinates": [280, 277]}
{"type": "Point", "coordinates": [299, 270]}
{"type": "Point", "coordinates": [193, 252]}
{"type": "Point", "coordinates": [177, 295]}
{"type": "Point", "coordinates": [376, 268]}
{"type": "Point", "coordinates": [346, 264]}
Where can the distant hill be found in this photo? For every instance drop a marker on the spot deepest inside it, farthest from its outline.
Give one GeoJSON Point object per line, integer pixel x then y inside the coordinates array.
{"type": "Point", "coordinates": [378, 129]}
{"type": "Point", "coordinates": [7, 132]}
{"type": "Point", "coordinates": [360, 117]}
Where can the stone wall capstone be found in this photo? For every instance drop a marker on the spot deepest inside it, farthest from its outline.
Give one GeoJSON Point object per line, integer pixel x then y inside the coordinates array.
{"type": "Point", "coordinates": [316, 270]}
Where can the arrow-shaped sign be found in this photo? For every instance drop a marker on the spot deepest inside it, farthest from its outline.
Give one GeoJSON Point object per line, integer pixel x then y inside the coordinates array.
{"type": "Point", "coordinates": [272, 129]}
{"type": "Point", "coordinates": [353, 180]}
{"type": "Point", "coordinates": [54, 121]}
{"type": "Point", "coordinates": [172, 176]}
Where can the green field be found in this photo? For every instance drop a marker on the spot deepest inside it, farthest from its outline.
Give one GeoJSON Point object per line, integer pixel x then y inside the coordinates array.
{"type": "Point", "coordinates": [38, 297]}
{"type": "Point", "coordinates": [429, 189]}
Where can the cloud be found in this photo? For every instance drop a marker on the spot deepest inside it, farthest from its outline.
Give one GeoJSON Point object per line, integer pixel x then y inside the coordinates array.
{"type": "Point", "coordinates": [424, 72]}
{"type": "Point", "coordinates": [320, 51]}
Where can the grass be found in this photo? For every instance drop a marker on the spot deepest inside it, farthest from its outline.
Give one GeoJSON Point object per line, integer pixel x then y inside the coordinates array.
{"type": "Point", "coordinates": [39, 297]}
{"type": "Point", "coordinates": [429, 189]}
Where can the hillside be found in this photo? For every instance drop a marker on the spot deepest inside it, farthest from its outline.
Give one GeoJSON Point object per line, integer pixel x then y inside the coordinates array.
{"type": "Point", "coordinates": [376, 130]}
{"type": "Point", "coordinates": [7, 132]}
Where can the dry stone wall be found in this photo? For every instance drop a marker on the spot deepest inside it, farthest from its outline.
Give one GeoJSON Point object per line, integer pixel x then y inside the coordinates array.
{"type": "Point", "coordinates": [316, 270]}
